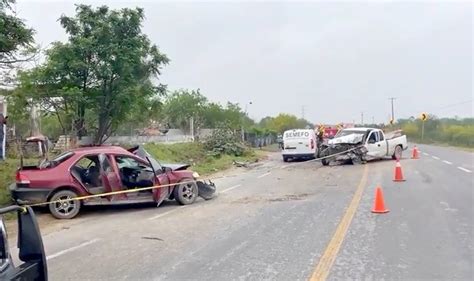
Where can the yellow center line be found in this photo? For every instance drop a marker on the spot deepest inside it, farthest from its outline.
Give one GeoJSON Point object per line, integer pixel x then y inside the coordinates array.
{"type": "Point", "coordinates": [323, 268]}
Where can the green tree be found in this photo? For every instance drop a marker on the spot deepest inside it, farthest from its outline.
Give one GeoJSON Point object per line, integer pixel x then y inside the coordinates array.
{"type": "Point", "coordinates": [283, 122]}
{"type": "Point", "coordinates": [16, 41]}
{"type": "Point", "coordinates": [183, 104]}
{"type": "Point", "coordinates": [101, 74]}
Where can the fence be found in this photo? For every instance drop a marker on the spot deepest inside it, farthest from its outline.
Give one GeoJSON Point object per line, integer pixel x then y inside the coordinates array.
{"type": "Point", "coordinates": [173, 136]}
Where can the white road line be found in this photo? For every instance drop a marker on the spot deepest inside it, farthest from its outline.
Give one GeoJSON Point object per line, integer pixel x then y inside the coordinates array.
{"type": "Point", "coordinates": [427, 154]}
{"type": "Point", "coordinates": [447, 162]}
{"type": "Point", "coordinates": [60, 253]}
{"type": "Point", "coordinates": [435, 157]}
{"type": "Point", "coordinates": [264, 175]}
{"type": "Point", "coordinates": [166, 213]}
{"type": "Point", "coordinates": [230, 188]}
{"type": "Point", "coordinates": [464, 169]}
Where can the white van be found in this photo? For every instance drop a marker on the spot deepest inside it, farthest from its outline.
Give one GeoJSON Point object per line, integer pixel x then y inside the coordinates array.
{"type": "Point", "coordinates": [298, 144]}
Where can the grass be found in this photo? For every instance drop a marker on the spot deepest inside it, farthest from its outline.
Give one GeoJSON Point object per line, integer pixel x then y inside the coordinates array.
{"type": "Point", "coordinates": [444, 144]}
{"type": "Point", "coordinates": [197, 156]}
{"type": "Point", "coordinates": [186, 153]}
{"type": "Point", "coordinates": [7, 176]}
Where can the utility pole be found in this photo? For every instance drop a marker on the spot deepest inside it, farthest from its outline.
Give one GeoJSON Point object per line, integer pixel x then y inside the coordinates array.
{"type": "Point", "coordinates": [302, 111]}
{"type": "Point", "coordinates": [362, 118]}
{"type": "Point", "coordinates": [191, 127]}
{"type": "Point", "coordinates": [393, 114]}
{"type": "Point", "coordinates": [373, 120]}
{"type": "Point", "coordinates": [242, 131]}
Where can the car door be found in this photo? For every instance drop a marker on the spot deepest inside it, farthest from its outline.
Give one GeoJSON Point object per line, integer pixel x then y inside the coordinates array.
{"type": "Point", "coordinates": [110, 178]}
{"type": "Point", "coordinates": [376, 148]}
{"type": "Point", "coordinates": [162, 179]}
{"type": "Point", "coordinates": [383, 145]}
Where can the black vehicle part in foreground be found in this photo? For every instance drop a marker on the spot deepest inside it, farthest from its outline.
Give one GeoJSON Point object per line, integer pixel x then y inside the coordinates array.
{"type": "Point", "coordinates": [31, 248]}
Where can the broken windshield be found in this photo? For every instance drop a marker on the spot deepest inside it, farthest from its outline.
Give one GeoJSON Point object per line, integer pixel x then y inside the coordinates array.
{"type": "Point", "coordinates": [56, 161]}
{"type": "Point", "coordinates": [141, 152]}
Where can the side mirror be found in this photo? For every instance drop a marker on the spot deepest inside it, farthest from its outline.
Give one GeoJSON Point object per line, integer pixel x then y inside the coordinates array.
{"type": "Point", "coordinates": [371, 141]}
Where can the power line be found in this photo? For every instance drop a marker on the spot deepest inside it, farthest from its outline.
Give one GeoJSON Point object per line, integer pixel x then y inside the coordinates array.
{"type": "Point", "coordinates": [454, 104]}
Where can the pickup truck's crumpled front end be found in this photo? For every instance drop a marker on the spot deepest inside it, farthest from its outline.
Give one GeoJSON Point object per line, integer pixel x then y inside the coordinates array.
{"type": "Point", "coordinates": [349, 139]}
{"type": "Point", "coordinates": [343, 153]}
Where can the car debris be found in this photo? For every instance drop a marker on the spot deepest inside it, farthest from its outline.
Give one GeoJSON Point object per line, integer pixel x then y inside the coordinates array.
{"type": "Point", "coordinates": [359, 145]}
{"type": "Point", "coordinates": [240, 164]}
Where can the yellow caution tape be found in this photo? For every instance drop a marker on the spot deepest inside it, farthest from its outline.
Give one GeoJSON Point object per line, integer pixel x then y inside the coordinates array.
{"type": "Point", "coordinates": [157, 186]}
{"type": "Point", "coordinates": [109, 193]}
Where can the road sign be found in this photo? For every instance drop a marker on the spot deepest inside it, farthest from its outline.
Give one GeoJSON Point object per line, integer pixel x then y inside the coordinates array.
{"type": "Point", "coordinates": [424, 116]}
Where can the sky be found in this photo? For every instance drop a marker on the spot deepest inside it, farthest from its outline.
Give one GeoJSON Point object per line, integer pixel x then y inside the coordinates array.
{"type": "Point", "coordinates": [327, 61]}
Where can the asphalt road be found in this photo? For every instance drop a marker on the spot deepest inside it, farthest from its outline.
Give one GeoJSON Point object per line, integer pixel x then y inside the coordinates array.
{"type": "Point", "coordinates": [285, 221]}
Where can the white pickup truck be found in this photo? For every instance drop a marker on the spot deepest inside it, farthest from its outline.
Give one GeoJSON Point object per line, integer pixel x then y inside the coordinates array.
{"type": "Point", "coordinates": [363, 144]}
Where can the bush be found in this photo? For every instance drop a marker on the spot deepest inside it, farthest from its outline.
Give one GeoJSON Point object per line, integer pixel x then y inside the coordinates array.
{"type": "Point", "coordinates": [449, 131]}
{"type": "Point", "coordinates": [224, 140]}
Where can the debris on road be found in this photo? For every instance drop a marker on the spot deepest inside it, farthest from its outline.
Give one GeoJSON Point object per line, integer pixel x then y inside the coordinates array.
{"type": "Point", "coordinates": [152, 238]}
{"type": "Point", "coordinates": [240, 164]}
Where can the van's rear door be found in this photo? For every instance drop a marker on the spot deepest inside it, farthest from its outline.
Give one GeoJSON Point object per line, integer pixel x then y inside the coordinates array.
{"type": "Point", "coordinates": [299, 142]}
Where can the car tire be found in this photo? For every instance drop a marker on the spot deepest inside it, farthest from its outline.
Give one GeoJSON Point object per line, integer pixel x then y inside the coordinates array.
{"type": "Point", "coordinates": [67, 209]}
{"type": "Point", "coordinates": [285, 159]}
{"type": "Point", "coordinates": [397, 153]}
{"type": "Point", "coordinates": [186, 192]}
{"type": "Point", "coordinates": [325, 162]}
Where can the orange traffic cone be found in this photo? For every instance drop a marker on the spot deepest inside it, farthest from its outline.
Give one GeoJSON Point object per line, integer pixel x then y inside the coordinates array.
{"type": "Point", "coordinates": [398, 172]}
{"type": "Point", "coordinates": [379, 204]}
{"type": "Point", "coordinates": [415, 154]}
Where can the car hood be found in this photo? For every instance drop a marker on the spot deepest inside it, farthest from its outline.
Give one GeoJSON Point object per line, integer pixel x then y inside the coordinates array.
{"type": "Point", "coordinates": [141, 152]}
{"type": "Point", "coordinates": [351, 139]}
{"type": "Point", "coordinates": [176, 167]}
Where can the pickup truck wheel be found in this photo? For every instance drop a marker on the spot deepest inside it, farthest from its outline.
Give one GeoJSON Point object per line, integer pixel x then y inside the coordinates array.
{"type": "Point", "coordinates": [325, 162]}
{"type": "Point", "coordinates": [186, 192]}
{"type": "Point", "coordinates": [397, 154]}
{"type": "Point", "coordinates": [66, 209]}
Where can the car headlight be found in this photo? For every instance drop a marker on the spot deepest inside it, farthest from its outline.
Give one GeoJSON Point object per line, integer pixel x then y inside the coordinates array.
{"type": "Point", "coordinates": [196, 175]}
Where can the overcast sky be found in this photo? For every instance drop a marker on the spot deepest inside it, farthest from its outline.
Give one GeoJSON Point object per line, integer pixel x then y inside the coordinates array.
{"type": "Point", "coordinates": [335, 59]}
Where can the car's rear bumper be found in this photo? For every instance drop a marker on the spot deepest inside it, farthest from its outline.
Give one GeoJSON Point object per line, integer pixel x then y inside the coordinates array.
{"type": "Point", "coordinates": [299, 155]}
{"type": "Point", "coordinates": [27, 195]}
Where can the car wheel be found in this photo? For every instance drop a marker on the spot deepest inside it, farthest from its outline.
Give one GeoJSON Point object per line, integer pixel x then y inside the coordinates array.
{"type": "Point", "coordinates": [325, 162]}
{"type": "Point", "coordinates": [66, 209]}
{"type": "Point", "coordinates": [285, 159]}
{"type": "Point", "coordinates": [186, 192]}
{"type": "Point", "coordinates": [398, 153]}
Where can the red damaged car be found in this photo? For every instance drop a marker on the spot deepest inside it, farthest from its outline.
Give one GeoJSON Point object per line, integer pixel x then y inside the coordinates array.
{"type": "Point", "coordinates": [96, 170]}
